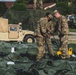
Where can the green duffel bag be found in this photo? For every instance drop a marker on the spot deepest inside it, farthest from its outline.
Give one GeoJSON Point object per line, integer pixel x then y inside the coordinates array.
{"type": "Point", "coordinates": [3, 63]}
{"type": "Point", "coordinates": [4, 44]}
{"type": "Point", "coordinates": [51, 71]}
{"type": "Point", "coordinates": [10, 71]}
{"type": "Point", "coordinates": [41, 72]}
{"type": "Point", "coordinates": [65, 72]}
{"type": "Point", "coordinates": [32, 49]}
{"type": "Point", "coordinates": [5, 51]}
{"type": "Point", "coordinates": [12, 57]}
{"type": "Point", "coordinates": [65, 65]}
{"type": "Point", "coordinates": [63, 68]}
{"type": "Point", "coordinates": [2, 72]}
{"type": "Point", "coordinates": [5, 69]}
{"type": "Point", "coordinates": [29, 72]}
{"type": "Point", "coordinates": [70, 73]}
{"type": "Point", "coordinates": [21, 48]}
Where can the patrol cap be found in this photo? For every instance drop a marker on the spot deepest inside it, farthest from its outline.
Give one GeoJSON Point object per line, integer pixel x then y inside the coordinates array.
{"type": "Point", "coordinates": [55, 11]}
{"type": "Point", "coordinates": [50, 16]}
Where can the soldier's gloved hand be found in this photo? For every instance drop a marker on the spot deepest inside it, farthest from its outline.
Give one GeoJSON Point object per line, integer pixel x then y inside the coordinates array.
{"type": "Point", "coordinates": [52, 33]}
{"type": "Point", "coordinates": [44, 35]}
{"type": "Point", "coordinates": [61, 35]}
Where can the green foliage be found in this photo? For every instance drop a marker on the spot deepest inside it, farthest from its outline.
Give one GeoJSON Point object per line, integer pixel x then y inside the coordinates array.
{"type": "Point", "coordinates": [15, 17]}
{"type": "Point", "coordinates": [65, 8]}
{"type": "Point", "coordinates": [46, 1]}
{"type": "Point", "coordinates": [28, 18]}
{"type": "Point", "coordinates": [3, 8]}
{"type": "Point", "coordinates": [29, 1]}
{"type": "Point", "coordinates": [72, 30]}
{"type": "Point", "coordinates": [74, 8]}
{"type": "Point", "coordinates": [21, 1]}
{"type": "Point", "coordinates": [11, 16]}
{"type": "Point", "coordinates": [19, 7]}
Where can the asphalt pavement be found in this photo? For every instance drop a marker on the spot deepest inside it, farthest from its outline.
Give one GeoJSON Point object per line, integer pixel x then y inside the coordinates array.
{"type": "Point", "coordinates": [71, 38]}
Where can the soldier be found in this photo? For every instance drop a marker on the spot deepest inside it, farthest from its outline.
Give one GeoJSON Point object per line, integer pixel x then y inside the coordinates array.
{"type": "Point", "coordinates": [44, 28]}
{"type": "Point", "coordinates": [62, 29]}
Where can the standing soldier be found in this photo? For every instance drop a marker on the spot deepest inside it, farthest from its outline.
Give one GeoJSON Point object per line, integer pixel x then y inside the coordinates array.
{"type": "Point", "coordinates": [38, 3]}
{"type": "Point", "coordinates": [44, 28]}
{"type": "Point", "coordinates": [62, 29]}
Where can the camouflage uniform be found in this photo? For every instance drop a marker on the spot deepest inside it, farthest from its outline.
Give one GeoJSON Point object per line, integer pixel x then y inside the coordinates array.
{"type": "Point", "coordinates": [64, 29]}
{"type": "Point", "coordinates": [50, 29]}
{"type": "Point", "coordinates": [43, 37]}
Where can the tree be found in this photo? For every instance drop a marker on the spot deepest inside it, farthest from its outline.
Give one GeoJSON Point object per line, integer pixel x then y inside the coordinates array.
{"type": "Point", "coordinates": [21, 1]}
{"type": "Point", "coordinates": [20, 5]}
{"type": "Point", "coordinates": [65, 9]}
{"type": "Point", "coordinates": [3, 8]}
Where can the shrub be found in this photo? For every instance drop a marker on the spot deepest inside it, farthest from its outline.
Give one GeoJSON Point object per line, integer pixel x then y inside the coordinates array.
{"type": "Point", "coordinates": [19, 7]}
{"type": "Point", "coordinates": [65, 9]}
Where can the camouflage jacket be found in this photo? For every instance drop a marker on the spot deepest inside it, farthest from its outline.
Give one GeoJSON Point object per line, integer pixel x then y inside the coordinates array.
{"type": "Point", "coordinates": [50, 27]}
{"type": "Point", "coordinates": [44, 27]}
{"type": "Point", "coordinates": [63, 25]}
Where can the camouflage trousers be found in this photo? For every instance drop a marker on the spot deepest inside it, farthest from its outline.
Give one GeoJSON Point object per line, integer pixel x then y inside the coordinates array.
{"type": "Point", "coordinates": [41, 43]}
{"type": "Point", "coordinates": [64, 47]}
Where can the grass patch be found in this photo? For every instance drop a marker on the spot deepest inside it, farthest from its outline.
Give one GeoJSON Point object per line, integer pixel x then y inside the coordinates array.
{"type": "Point", "coordinates": [72, 30]}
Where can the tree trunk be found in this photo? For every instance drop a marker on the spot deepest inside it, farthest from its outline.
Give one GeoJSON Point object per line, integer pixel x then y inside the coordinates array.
{"type": "Point", "coordinates": [38, 4]}
{"type": "Point", "coordinates": [41, 4]}
{"type": "Point", "coordinates": [35, 3]}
